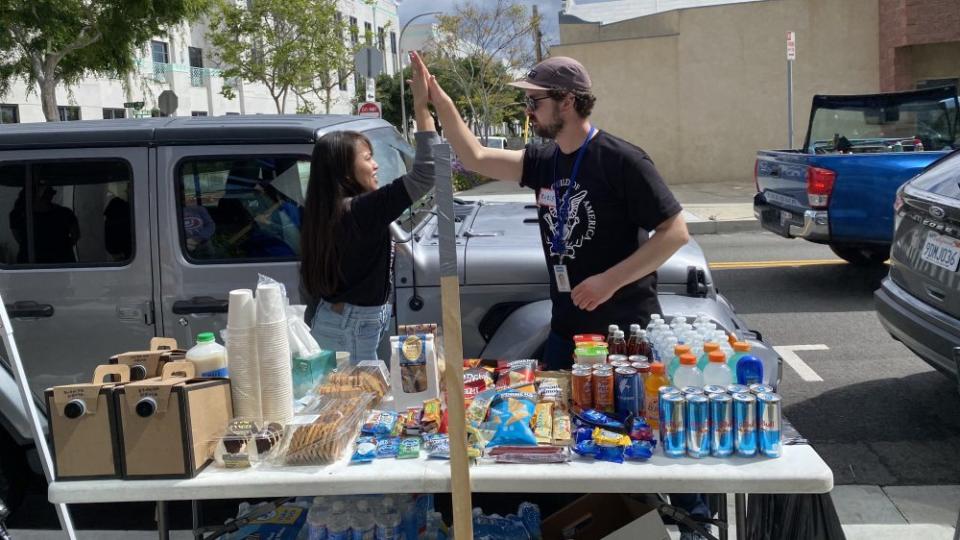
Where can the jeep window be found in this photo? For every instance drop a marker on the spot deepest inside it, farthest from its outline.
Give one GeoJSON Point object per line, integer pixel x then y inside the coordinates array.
{"type": "Point", "coordinates": [68, 212]}
{"type": "Point", "coordinates": [241, 208]}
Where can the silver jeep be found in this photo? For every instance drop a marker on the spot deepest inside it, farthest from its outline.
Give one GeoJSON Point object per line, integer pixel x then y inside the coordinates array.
{"type": "Point", "coordinates": [118, 231]}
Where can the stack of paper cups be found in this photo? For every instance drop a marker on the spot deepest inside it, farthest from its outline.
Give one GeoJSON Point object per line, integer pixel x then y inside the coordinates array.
{"type": "Point", "coordinates": [273, 350]}
{"type": "Point", "coordinates": [242, 354]}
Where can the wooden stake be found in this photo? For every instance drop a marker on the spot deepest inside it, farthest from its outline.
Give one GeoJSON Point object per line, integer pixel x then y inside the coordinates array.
{"type": "Point", "coordinates": [453, 347]}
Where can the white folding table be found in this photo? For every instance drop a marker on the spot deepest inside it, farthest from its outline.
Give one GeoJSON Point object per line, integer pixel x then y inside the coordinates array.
{"type": "Point", "coordinates": [799, 470]}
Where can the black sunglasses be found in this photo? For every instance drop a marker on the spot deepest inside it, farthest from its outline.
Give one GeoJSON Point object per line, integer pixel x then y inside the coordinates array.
{"type": "Point", "coordinates": [531, 102]}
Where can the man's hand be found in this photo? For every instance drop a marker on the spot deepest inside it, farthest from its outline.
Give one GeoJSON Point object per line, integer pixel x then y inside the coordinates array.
{"type": "Point", "coordinates": [419, 83]}
{"type": "Point", "coordinates": [593, 291]}
{"type": "Point", "coordinates": [436, 94]}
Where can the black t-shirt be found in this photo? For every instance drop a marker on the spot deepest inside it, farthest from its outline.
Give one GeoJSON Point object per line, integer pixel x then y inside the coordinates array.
{"type": "Point", "coordinates": [617, 198]}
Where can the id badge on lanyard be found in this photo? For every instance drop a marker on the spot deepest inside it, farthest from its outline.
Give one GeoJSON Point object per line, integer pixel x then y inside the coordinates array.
{"type": "Point", "coordinates": [560, 273]}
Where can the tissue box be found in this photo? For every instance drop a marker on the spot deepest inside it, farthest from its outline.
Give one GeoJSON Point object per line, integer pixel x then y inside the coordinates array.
{"type": "Point", "coordinates": [310, 372]}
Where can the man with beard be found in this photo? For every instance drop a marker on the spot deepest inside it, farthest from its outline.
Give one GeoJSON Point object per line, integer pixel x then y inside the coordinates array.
{"type": "Point", "coordinates": [598, 197]}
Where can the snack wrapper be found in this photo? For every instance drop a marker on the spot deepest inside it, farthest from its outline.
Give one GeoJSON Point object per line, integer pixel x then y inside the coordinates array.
{"type": "Point", "coordinates": [380, 423]}
{"type": "Point", "coordinates": [608, 438]}
{"type": "Point", "coordinates": [561, 427]}
{"type": "Point", "coordinates": [543, 422]}
{"type": "Point", "coordinates": [322, 438]}
{"type": "Point", "coordinates": [388, 447]}
{"type": "Point", "coordinates": [513, 423]}
{"type": "Point", "coordinates": [409, 448]}
{"type": "Point", "coordinates": [478, 409]}
{"type": "Point", "coordinates": [639, 450]}
{"type": "Point", "coordinates": [365, 450]}
{"type": "Point", "coordinates": [590, 417]}
{"type": "Point", "coordinates": [437, 446]}
{"type": "Point", "coordinates": [613, 454]}
{"type": "Point", "coordinates": [640, 430]}
{"type": "Point", "coordinates": [529, 454]}
{"type": "Point", "coordinates": [518, 374]}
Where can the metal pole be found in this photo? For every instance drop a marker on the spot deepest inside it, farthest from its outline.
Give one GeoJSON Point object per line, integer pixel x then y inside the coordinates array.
{"type": "Point", "coordinates": [403, 103]}
{"type": "Point", "coordinates": [790, 104]}
{"type": "Point", "coordinates": [163, 521]}
{"type": "Point", "coordinates": [740, 501]}
{"type": "Point", "coordinates": [722, 515]}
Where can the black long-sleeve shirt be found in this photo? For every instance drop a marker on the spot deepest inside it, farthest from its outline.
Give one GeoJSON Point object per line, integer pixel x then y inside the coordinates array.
{"type": "Point", "coordinates": [364, 244]}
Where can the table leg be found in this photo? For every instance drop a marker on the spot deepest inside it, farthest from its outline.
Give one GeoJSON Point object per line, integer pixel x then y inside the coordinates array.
{"type": "Point", "coordinates": [163, 525]}
{"type": "Point", "coordinates": [740, 501]}
{"type": "Point", "coordinates": [722, 516]}
{"type": "Point", "coordinates": [197, 518]}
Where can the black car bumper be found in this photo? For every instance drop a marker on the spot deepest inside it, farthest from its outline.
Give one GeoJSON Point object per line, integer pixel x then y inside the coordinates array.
{"type": "Point", "coordinates": [928, 332]}
{"type": "Point", "coordinates": [813, 225]}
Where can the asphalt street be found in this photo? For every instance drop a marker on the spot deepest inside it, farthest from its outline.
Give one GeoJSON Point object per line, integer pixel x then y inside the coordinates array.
{"type": "Point", "coordinates": [880, 416]}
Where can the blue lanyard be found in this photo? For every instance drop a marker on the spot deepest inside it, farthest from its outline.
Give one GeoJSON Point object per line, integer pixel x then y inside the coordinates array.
{"type": "Point", "coordinates": [563, 206]}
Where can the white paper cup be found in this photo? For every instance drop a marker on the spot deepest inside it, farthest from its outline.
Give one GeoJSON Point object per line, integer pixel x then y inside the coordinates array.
{"type": "Point", "coordinates": [241, 311]}
{"type": "Point", "coordinates": [271, 304]}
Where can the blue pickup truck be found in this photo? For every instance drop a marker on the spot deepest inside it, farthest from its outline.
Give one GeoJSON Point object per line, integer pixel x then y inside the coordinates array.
{"type": "Point", "coordinates": [840, 187]}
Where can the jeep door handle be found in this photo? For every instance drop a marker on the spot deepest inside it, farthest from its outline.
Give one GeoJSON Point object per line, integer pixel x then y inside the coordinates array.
{"type": "Point", "coordinates": [28, 309]}
{"type": "Point", "coordinates": [200, 304]}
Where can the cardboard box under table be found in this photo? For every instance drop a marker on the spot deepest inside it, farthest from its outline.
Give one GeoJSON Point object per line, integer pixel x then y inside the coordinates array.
{"type": "Point", "coordinates": [167, 426]}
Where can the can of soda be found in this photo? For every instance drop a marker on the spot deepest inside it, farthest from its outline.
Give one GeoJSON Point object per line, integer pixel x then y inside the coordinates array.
{"type": "Point", "coordinates": [721, 425]}
{"type": "Point", "coordinates": [696, 390]}
{"type": "Point", "coordinates": [738, 389]}
{"type": "Point", "coordinates": [617, 364]}
{"type": "Point", "coordinates": [619, 358]}
{"type": "Point", "coordinates": [603, 390]}
{"type": "Point", "coordinates": [672, 412]}
{"type": "Point", "coordinates": [760, 388]}
{"type": "Point", "coordinates": [768, 424]}
{"type": "Point", "coordinates": [698, 425]}
{"type": "Point", "coordinates": [634, 358]}
{"type": "Point", "coordinates": [581, 383]}
{"type": "Point", "coordinates": [629, 393]}
{"type": "Point", "coordinates": [714, 389]}
{"type": "Point", "coordinates": [745, 424]}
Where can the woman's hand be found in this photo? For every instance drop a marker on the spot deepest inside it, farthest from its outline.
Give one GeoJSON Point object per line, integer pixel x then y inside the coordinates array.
{"type": "Point", "coordinates": [419, 84]}
{"type": "Point", "coordinates": [436, 94]}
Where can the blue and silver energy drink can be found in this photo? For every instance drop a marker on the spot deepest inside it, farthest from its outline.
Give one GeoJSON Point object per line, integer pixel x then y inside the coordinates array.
{"type": "Point", "coordinates": [628, 393]}
{"type": "Point", "coordinates": [738, 389]}
{"type": "Point", "coordinates": [672, 421]}
{"type": "Point", "coordinates": [692, 390]}
{"type": "Point", "coordinates": [713, 389]}
{"type": "Point", "coordinates": [745, 424]}
{"type": "Point", "coordinates": [698, 425]}
{"type": "Point", "coordinates": [760, 388]}
{"type": "Point", "coordinates": [721, 425]}
{"type": "Point", "coordinates": [662, 392]}
{"type": "Point", "coordinates": [768, 422]}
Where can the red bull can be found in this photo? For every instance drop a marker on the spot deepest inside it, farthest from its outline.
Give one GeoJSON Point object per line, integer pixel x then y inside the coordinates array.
{"type": "Point", "coordinates": [745, 424]}
{"type": "Point", "coordinates": [721, 425]}
{"type": "Point", "coordinates": [673, 424]}
{"type": "Point", "coordinates": [738, 389]}
{"type": "Point", "coordinates": [760, 388]}
{"type": "Point", "coordinates": [695, 390]}
{"type": "Point", "coordinates": [629, 393]}
{"type": "Point", "coordinates": [662, 392]}
{"type": "Point", "coordinates": [713, 389]}
{"type": "Point", "coordinates": [769, 420]}
{"type": "Point", "coordinates": [698, 426]}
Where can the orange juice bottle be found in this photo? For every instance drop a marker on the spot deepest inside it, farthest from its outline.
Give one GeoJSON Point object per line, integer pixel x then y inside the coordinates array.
{"type": "Point", "coordinates": [651, 393]}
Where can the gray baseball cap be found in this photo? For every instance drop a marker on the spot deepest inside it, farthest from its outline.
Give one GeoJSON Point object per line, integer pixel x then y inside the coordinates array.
{"type": "Point", "coordinates": [556, 72]}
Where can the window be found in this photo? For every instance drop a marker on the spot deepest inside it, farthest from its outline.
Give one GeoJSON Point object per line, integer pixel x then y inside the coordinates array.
{"type": "Point", "coordinates": [368, 33]}
{"type": "Point", "coordinates": [160, 51]}
{"type": "Point", "coordinates": [393, 42]}
{"type": "Point", "coordinates": [9, 114]}
{"type": "Point", "coordinates": [68, 113]}
{"type": "Point", "coordinates": [354, 31]}
{"type": "Point", "coordinates": [342, 79]}
{"type": "Point", "coordinates": [242, 207]}
{"type": "Point", "coordinates": [198, 113]}
{"type": "Point", "coordinates": [934, 83]}
{"type": "Point", "coordinates": [232, 114]}
{"type": "Point", "coordinates": [196, 57]}
{"type": "Point", "coordinates": [66, 212]}
{"type": "Point", "coordinates": [381, 39]}
{"type": "Point", "coordinates": [110, 114]}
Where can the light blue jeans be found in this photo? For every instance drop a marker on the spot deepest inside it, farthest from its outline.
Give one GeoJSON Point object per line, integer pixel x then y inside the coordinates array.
{"type": "Point", "coordinates": [358, 330]}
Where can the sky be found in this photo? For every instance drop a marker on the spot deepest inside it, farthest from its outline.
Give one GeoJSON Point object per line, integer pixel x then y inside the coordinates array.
{"type": "Point", "coordinates": [548, 10]}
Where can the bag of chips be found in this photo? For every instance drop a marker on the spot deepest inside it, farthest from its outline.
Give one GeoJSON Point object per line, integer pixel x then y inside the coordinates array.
{"type": "Point", "coordinates": [513, 418]}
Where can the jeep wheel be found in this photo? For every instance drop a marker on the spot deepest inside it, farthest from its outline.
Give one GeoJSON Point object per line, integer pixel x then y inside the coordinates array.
{"type": "Point", "coordinates": [862, 255]}
{"type": "Point", "coordinates": [14, 472]}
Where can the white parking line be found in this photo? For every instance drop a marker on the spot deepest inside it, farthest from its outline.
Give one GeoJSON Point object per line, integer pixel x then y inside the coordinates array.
{"type": "Point", "coordinates": [788, 352]}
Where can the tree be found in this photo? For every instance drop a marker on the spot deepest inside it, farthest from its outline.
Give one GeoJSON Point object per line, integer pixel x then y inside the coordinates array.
{"type": "Point", "coordinates": [286, 45]}
{"type": "Point", "coordinates": [480, 50]}
{"type": "Point", "coordinates": [47, 43]}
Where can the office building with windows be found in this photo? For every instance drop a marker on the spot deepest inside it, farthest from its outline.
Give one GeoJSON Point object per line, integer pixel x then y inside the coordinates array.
{"type": "Point", "coordinates": [182, 61]}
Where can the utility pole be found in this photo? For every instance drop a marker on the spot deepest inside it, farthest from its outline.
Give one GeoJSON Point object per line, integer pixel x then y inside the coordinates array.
{"type": "Point", "coordinates": [537, 35]}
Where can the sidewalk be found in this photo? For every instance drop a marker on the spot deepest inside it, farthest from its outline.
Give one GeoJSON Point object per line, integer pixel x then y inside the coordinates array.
{"type": "Point", "coordinates": [709, 208]}
{"type": "Point", "coordinates": [866, 512]}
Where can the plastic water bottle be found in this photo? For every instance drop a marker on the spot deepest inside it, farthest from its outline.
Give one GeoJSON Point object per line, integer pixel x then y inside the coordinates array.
{"type": "Point", "coordinates": [717, 371]}
{"type": "Point", "coordinates": [749, 370]}
{"type": "Point", "coordinates": [408, 516]}
{"type": "Point", "coordinates": [362, 522]}
{"type": "Point", "coordinates": [704, 358]}
{"type": "Point", "coordinates": [674, 362]}
{"type": "Point", "coordinates": [338, 522]}
{"type": "Point", "coordinates": [317, 523]}
{"type": "Point", "coordinates": [688, 374]}
{"type": "Point", "coordinates": [740, 349]}
{"type": "Point", "coordinates": [388, 521]}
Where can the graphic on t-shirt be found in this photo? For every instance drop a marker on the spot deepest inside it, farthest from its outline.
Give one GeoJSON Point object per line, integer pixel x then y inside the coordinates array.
{"type": "Point", "coordinates": [574, 235]}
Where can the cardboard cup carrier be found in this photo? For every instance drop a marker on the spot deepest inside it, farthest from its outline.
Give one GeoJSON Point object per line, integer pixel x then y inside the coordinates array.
{"type": "Point", "coordinates": [166, 425]}
{"type": "Point", "coordinates": [83, 426]}
{"type": "Point", "coordinates": [149, 364]}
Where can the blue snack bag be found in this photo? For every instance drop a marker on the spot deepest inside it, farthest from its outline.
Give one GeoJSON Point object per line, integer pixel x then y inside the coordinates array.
{"type": "Point", "coordinates": [512, 417]}
{"type": "Point", "coordinates": [388, 447]}
{"type": "Point", "coordinates": [639, 451]}
{"type": "Point", "coordinates": [380, 423]}
{"type": "Point", "coordinates": [596, 418]}
{"type": "Point", "coordinates": [365, 451]}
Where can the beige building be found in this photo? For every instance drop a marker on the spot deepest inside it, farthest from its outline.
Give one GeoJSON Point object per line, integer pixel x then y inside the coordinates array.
{"type": "Point", "coordinates": [701, 89]}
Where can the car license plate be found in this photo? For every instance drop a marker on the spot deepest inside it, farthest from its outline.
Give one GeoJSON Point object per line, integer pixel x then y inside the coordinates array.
{"type": "Point", "coordinates": [941, 251]}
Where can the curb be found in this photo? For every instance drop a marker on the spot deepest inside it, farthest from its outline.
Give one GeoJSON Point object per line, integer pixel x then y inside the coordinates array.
{"type": "Point", "coordinates": [722, 226]}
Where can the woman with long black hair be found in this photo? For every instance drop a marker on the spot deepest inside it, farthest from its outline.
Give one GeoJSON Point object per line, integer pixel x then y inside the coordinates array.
{"type": "Point", "coordinates": [345, 245]}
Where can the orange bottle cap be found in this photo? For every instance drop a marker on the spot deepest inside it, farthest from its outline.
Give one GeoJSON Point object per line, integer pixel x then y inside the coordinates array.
{"type": "Point", "coordinates": [681, 349]}
{"type": "Point", "coordinates": [657, 368]}
{"type": "Point", "coordinates": [688, 359]}
{"type": "Point", "coordinates": [741, 346]}
{"type": "Point", "coordinates": [717, 356]}
{"type": "Point", "coordinates": [711, 346]}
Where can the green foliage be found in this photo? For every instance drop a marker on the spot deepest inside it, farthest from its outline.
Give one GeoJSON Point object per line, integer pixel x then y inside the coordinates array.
{"type": "Point", "coordinates": [286, 45]}
{"type": "Point", "coordinates": [52, 42]}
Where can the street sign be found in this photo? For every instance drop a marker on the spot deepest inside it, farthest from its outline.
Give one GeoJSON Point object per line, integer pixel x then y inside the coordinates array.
{"type": "Point", "coordinates": [136, 105]}
{"type": "Point", "coordinates": [370, 109]}
{"type": "Point", "coordinates": [167, 102]}
{"type": "Point", "coordinates": [791, 46]}
{"type": "Point", "coordinates": [369, 62]}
